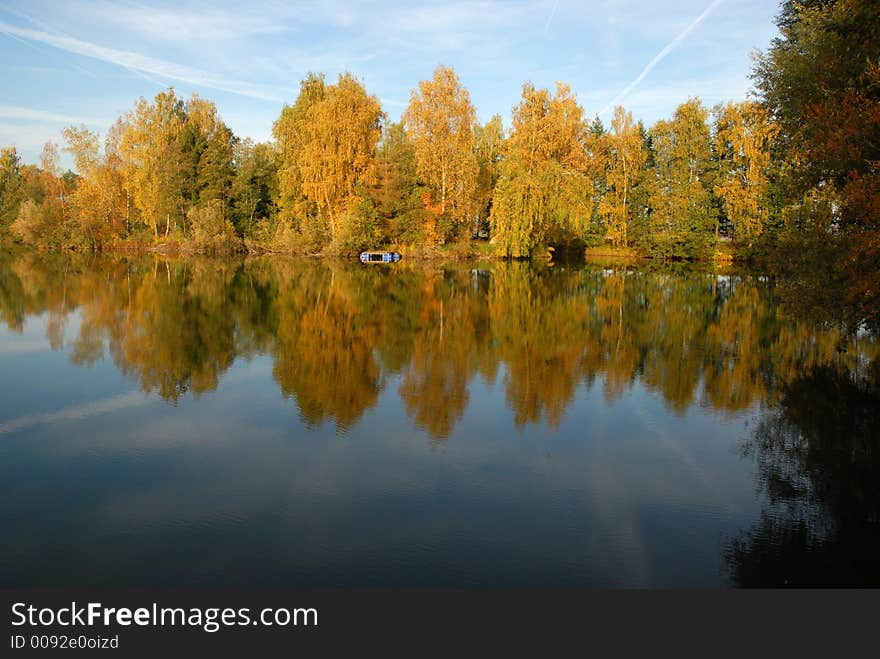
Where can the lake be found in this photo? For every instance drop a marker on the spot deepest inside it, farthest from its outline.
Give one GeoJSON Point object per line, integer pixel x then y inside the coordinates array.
{"type": "Point", "coordinates": [284, 422]}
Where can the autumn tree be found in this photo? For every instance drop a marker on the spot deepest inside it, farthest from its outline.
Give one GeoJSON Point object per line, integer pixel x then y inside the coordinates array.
{"type": "Point", "coordinates": [327, 149]}
{"type": "Point", "coordinates": [440, 122]}
{"type": "Point", "coordinates": [624, 158]}
{"type": "Point", "coordinates": [820, 83]}
{"type": "Point", "coordinates": [20, 184]}
{"type": "Point", "coordinates": [41, 215]}
{"type": "Point", "coordinates": [99, 201]}
{"type": "Point", "coordinates": [338, 157]}
{"type": "Point", "coordinates": [50, 166]}
{"type": "Point", "coordinates": [639, 209]}
{"type": "Point", "coordinates": [542, 186]}
{"type": "Point", "coordinates": [175, 155]}
{"type": "Point", "coordinates": [291, 133]}
{"type": "Point", "coordinates": [210, 229]}
{"type": "Point", "coordinates": [743, 137]}
{"type": "Point", "coordinates": [149, 151]}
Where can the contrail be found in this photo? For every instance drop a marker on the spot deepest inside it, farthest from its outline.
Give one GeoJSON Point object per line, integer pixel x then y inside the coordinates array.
{"type": "Point", "coordinates": [550, 17]}
{"type": "Point", "coordinates": [78, 412]}
{"type": "Point", "coordinates": [137, 62]}
{"type": "Point", "coordinates": [663, 53]}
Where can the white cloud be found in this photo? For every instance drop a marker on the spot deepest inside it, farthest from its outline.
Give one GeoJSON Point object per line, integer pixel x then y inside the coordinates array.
{"type": "Point", "coordinates": [31, 114]}
{"type": "Point", "coordinates": [141, 63]}
{"type": "Point", "coordinates": [27, 138]}
{"type": "Point", "coordinates": [179, 23]}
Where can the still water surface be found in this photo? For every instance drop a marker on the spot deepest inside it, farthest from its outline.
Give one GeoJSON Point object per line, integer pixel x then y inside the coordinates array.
{"type": "Point", "coordinates": [310, 423]}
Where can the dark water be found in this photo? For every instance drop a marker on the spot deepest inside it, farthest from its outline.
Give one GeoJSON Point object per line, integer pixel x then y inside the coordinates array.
{"type": "Point", "coordinates": [302, 423]}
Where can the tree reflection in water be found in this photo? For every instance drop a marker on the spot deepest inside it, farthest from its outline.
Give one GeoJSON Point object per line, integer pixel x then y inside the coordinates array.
{"type": "Point", "coordinates": [340, 334]}
{"type": "Point", "coordinates": [819, 463]}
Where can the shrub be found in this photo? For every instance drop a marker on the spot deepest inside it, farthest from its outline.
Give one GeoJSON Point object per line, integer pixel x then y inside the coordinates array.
{"type": "Point", "coordinates": [359, 226]}
{"type": "Point", "coordinates": [210, 230]}
{"type": "Point", "coordinates": [39, 223]}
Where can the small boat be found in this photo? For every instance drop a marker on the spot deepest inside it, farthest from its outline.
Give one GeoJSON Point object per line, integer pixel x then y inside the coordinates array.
{"type": "Point", "coordinates": [379, 257]}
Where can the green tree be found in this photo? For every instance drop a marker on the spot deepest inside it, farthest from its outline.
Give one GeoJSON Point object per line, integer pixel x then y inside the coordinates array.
{"type": "Point", "coordinates": [683, 217]}
{"type": "Point", "coordinates": [398, 192]}
{"type": "Point", "coordinates": [254, 189]}
{"type": "Point", "coordinates": [208, 146]}
{"type": "Point", "coordinates": [10, 184]}
{"type": "Point", "coordinates": [489, 145]}
{"type": "Point", "coordinates": [820, 83]}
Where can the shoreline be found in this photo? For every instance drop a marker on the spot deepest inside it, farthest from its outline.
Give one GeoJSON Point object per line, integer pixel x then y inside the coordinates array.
{"type": "Point", "coordinates": [453, 253]}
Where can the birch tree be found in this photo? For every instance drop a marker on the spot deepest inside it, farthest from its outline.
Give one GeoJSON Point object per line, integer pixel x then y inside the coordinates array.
{"type": "Point", "coordinates": [624, 159]}
{"type": "Point", "coordinates": [440, 123]}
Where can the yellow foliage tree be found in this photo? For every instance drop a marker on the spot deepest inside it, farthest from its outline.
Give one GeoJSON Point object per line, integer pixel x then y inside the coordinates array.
{"type": "Point", "coordinates": [339, 152]}
{"type": "Point", "coordinates": [542, 184]}
{"type": "Point", "coordinates": [624, 158]}
{"type": "Point", "coordinates": [147, 147]}
{"type": "Point", "coordinates": [743, 136]}
{"type": "Point", "coordinates": [440, 122]}
{"type": "Point", "coordinates": [291, 135]}
{"type": "Point", "coordinates": [99, 201]}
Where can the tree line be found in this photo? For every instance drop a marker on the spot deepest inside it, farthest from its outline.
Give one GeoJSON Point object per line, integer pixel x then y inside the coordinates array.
{"type": "Point", "coordinates": [800, 159]}
{"type": "Point", "coordinates": [340, 177]}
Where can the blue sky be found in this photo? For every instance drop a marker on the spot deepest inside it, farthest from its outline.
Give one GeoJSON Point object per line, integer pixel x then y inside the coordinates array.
{"type": "Point", "coordinates": [86, 61]}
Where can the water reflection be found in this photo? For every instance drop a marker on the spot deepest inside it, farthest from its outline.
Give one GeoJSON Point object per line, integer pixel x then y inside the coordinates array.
{"type": "Point", "coordinates": [818, 453]}
{"type": "Point", "coordinates": [336, 331]}
{"type": "Point", "coordinates": [339, 338]}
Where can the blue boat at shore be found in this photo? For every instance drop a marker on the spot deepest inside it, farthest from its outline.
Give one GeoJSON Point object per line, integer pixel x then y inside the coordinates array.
{"type": "Point", "coordinates": [379, 257]}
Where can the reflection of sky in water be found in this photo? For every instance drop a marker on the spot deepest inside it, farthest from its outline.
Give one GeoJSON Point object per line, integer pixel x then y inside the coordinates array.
{"type": "Point", "coordinates": [105, 484]}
